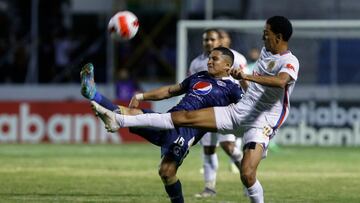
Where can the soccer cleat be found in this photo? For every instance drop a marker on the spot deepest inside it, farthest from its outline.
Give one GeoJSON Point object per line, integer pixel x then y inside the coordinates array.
{"type": "Point", "coordinates": [107, 116]}
{"type": "Point", "coordinates": [207, 192]}
{"type": "Point", "coordinates": [88, 87]}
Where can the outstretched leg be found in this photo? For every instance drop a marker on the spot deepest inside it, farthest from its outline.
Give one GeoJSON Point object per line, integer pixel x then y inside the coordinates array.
{"type": "Point", "coordinates": [203, 118]}
{"type": "Point", "coordinates": [88, 88]}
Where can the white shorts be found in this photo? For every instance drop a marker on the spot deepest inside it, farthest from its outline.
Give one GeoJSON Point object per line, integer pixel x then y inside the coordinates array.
{"type": "Point", "coordinates": [256, 135]}
{"type": "Point", "coordinates": [237, 120]}
{"type": "Point", "coordinates": [213, 139]}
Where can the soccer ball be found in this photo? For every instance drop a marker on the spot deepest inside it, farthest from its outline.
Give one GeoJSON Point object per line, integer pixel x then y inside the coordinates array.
{"type": "Point", "coordinates": [123, 26]}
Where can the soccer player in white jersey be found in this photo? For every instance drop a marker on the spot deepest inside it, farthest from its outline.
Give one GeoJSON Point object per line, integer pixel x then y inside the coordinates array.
{"type": "Point", "coordinates": [212, 38]}
{"type": "Point", "coordinates": [265, 103]}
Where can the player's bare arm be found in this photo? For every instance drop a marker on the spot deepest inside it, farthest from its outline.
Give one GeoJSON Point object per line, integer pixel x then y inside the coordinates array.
{"type": "Point", "coordinates": [156, 94]}
{"type": "Point", "coordinates": [280, 80]}
{"type": "Point", "coordinates": [244, 84]}
{"type": "Point", "coordinates": [163, 92]}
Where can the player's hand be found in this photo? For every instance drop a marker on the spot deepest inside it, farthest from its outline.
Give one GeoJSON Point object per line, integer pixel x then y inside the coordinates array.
{"type": "Point", "coordinates": [237, 73]}
{"type": "Point", "coordinates": [134, 103]}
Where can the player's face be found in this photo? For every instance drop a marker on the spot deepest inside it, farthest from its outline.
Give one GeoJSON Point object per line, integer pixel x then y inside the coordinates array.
{"type": "Point", "coordinates": [225, 42]}
{"type": "Point", "coordinates": [210, 41]}
{"type": "Point", "coordinates": [270, 39]}
{"type": "Point", "coordinates": [225, 39]}
{"type": "Point", "coordinates": [217, 64]}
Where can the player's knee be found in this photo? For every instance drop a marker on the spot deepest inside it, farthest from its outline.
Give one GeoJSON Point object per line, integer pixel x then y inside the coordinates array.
{"type": "Point", "coordinates": [178, 117]}
{"type": "Point", "coordinates": [182, 117]}
{"type": "Point", "coordinates": [163, 175]}
{"type": "Point", "coordinates": [167, 176]}
{"type": "Point", "coordinates": [248, 176]}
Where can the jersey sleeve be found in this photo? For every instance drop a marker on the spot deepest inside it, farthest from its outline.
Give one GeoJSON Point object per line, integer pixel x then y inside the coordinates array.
{"type": "Point", "coordinates": [186, 83]}
{"type": "Point", "coordinates": [291, 67]}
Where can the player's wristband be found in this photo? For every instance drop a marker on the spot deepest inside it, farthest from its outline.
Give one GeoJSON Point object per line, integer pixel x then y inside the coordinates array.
{"type": "Point", "coordinates": [139, 96]}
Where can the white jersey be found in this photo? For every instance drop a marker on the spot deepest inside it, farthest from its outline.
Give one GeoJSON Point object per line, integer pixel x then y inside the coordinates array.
{"type": "Point", "coordinates": [270, 104]}
{"type": "Point", "coordinates": [200, 63]}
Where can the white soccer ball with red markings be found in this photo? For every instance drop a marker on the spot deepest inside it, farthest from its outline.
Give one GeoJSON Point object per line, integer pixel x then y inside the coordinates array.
{"type": "Point", "coordinates": [123, 26]}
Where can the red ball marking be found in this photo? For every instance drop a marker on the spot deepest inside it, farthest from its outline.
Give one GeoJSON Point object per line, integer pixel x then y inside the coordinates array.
{"type": "Point", "coordinates": [136, 23]}
{"type": "Point", "coordinates": [124, 28]}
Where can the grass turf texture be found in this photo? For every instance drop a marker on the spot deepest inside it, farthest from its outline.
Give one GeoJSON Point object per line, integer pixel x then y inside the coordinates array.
{"type": "Point", "coordinates": [128, 173]}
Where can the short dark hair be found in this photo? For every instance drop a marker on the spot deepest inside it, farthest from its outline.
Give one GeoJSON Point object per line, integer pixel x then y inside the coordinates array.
{"type": "Point", "coordinates": [282, 25]}
{"type": "Point", "coordinates": [227, 52]}
{"type": "Point", "coordinates": [213, 30]}
{"type": "Point", "coordinates": [223, 33]}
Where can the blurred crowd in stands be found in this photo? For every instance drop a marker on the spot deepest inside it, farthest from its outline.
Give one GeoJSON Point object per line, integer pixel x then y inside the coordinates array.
{"type": "Point", "coordinates": [74, 32]}
{"type": "Point", "coordinates": [66, 41]}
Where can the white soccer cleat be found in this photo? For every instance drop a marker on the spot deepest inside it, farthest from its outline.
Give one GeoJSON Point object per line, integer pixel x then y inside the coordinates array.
{"type": "Point", "coordinates": [207, 192]}
{"type": "Point", "coordinates": [107, 116]}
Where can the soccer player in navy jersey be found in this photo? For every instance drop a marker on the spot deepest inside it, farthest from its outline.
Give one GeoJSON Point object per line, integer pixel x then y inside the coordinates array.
{"type": "Point", "coordinates": [203, 89]}
{"type": "Point", "coordinates": [256, 117]}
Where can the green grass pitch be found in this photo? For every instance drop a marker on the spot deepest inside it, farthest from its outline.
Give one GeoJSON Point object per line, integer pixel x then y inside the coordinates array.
{"type": "Point", "coordinates": [128, 173]}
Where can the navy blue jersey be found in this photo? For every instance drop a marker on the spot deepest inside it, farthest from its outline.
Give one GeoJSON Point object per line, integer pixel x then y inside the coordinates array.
{"type": "Point", "coordinates": [202, 90]}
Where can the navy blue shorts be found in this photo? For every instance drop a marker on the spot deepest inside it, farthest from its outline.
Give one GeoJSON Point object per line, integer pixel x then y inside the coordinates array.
{"type": "Point", "coordinates": [174, 143]}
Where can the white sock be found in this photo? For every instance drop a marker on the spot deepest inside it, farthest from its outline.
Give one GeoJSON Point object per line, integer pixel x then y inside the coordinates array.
{"type": "Point", "coordinates": [238, 143]}
{"type": "Point", "coordinates": [211, 165]}
{"type": "Point", "coordinates": [236, 155]}
{"type": "Point", "coordinates": [155, 120]}
{"type": "Point", "coordinates": [256, 193]}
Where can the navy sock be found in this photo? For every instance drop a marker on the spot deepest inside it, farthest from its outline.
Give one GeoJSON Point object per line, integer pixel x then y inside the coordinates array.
{"type": "Point", "coordinates": [175, 192]}
{"type": "Point", "coordinates": [105, 102]}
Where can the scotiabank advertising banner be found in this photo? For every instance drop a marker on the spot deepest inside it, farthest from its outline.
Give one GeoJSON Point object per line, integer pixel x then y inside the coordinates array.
{"type": "Point", "coordinates": [330, 123]}
{"type": "Point", "coordinates": [56, 122]}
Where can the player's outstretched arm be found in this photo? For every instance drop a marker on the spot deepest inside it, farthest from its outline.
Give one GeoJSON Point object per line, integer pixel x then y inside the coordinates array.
{"type": "Point", "coordinates": [280, 80]}
{"type": "Point", "coordinates": [156, 94]}
{"type": "Point", "coordinates": [163, 92]}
